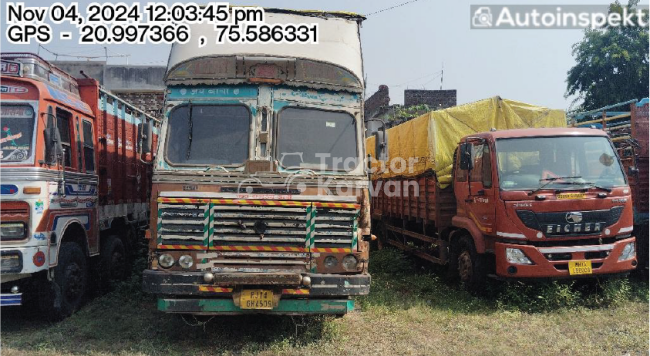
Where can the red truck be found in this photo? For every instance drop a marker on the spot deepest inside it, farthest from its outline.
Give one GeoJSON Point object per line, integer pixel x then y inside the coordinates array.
{"type": "Point", "coordinates": [521, 203]}
{"type": "Point", "coordinates": [628, 129]}
{"type": "Point", "coordinates": [76, 172]}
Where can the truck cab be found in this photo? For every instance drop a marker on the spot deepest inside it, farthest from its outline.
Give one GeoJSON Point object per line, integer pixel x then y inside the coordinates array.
{"type": "Point", "coordinates": [546, 203]}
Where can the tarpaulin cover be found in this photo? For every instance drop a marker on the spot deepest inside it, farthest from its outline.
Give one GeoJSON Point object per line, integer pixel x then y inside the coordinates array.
{"type": "Point", "coordinates": [429, 141]}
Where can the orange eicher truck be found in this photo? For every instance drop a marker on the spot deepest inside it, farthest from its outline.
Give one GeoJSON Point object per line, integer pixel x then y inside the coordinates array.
{"type": "Point", "coordinates": [503, 188]}
{"type": "Point", "coordinates": [75, 173]}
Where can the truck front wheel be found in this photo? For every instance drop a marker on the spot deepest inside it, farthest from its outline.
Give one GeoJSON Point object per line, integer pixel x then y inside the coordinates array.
{"type": "Point", "coordinates": [70, 282]}
{"type": "Point", "coordinates": [470, 265]}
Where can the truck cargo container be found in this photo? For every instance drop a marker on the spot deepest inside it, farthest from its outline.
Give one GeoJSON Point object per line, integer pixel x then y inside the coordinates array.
{"type": "Point", "coordinates": [492, 191]}
{"type": "Point", "coordinates": [247, 217]}
{"type": "Point", "coordinates": [75, 177]}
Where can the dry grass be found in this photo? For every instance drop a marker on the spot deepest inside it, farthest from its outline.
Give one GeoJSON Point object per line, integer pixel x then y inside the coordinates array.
{"type": "Point", "coordinates": [408, 312]}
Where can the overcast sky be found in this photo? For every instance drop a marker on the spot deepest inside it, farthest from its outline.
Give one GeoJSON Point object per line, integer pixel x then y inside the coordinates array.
{"type": "Point", "coordinates": [406, 47]}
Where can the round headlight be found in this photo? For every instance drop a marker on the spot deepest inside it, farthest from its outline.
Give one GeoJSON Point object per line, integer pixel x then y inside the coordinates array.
{"type": "Point", "coordinates": [166, 260]}
{"type": "Point", "coordinates": [185, 261]}
{"type": "Point", "coordinates": [330, 262]}
{"type": "Point", "coordinates": [350, 263]}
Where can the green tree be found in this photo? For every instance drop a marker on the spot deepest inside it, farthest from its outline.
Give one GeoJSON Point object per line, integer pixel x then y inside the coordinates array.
{"type": "Point", "coordinates": [612, 64]}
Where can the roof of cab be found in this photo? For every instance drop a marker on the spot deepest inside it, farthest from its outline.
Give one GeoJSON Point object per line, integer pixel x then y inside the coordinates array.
{"type": "Point", "coordinates": [318, 13]}
{"type": "Point", "coordinates": [543, 132]}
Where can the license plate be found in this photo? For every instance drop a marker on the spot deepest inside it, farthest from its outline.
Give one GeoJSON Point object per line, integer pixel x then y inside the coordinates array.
{"type": "Point", "coordinates": [256, 299]}
{"type": "Point", "coordinates": [580, 267]}
{"type": "Point", "coordinates": [570, 196]}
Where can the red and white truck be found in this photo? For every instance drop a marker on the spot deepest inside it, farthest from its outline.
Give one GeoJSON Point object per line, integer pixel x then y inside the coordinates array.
{"type": "Point", "coordinates": [75, 174]}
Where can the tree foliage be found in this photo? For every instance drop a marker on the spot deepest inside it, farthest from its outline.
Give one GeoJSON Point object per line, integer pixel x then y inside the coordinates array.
{"type": "Point", "coordinates": [612, 64]}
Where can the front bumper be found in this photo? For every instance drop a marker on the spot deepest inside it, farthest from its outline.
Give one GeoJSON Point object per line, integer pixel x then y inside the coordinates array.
{"type": "Point", "coordinates": [192, 284]}
{"type": "Point", "coordinates": [187, 292]}
{"type": "Point", "coordinates": [604, 260]}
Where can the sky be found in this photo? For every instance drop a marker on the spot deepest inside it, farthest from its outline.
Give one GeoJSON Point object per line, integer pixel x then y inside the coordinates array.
{"type": "Point", "coordinates": [406, 47]}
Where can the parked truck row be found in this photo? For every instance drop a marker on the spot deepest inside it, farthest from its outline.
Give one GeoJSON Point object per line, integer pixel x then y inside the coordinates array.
{"type": "Point", "coordinates": [253, 191]}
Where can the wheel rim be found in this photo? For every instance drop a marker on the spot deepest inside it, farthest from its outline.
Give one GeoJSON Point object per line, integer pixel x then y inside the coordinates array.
{"type": "Point", "coordinates": [465, 266]}
{"type": "Point", "coordinates": [74, 285]}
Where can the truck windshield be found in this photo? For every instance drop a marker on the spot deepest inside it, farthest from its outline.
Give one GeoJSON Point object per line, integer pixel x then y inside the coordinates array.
{"type": "Point", "coordinates": [317, 139]}
{"type": "Point", "coordinates": [208, 135]}
{"type": "Point", "coordinates": [17, 122]}
{"type": "Point", "coordinates": [561, 163]}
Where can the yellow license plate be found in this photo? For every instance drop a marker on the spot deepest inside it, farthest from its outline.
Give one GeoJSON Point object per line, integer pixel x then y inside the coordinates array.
{"type": "Point", "coordinates": [580, 267]}
{"type": "Point", "coordinates": [256, 299]}
{"type": "Point", "coordinates": [571, 196]}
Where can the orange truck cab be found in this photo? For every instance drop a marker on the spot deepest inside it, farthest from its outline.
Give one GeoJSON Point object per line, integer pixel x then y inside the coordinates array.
{"type": "Point", "coordinates": [74, 180]}
{"type": "Point", "coordinates": [523, 203]}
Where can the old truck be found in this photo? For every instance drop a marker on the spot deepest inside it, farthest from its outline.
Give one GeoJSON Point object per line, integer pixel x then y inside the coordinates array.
{"type": "Point", "coordinates": [502, 188]}
{"type": "Point", "coordinates": [75, 177]}
{"type": "Point", "coordinates": [260, 194]}
{"type": "Point", "coordinates": [627, 125]}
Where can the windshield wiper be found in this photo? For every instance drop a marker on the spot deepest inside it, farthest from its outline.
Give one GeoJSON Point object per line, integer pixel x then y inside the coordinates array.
{"type": "Point", "coordinates": [549, 181]}
{"type": "Point", "coordinates": [590, 184]}
{"type": "Point", "coordinates": [191, 127]}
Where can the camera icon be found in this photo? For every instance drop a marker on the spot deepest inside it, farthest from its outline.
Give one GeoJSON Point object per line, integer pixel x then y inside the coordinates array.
{"type": "Point", "coordinates": [482, 17]}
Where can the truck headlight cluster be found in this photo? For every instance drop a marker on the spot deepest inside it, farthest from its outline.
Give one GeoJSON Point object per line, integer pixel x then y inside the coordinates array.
{"type": "Point", "coordinates": [629, 251]}
{"type": "Point", "coordinates": [330, 262]}
{"type": "Point", "coordinates": [349, 263]}
{"type": "Point", "coordinates": [12, 262]}
{"type": "Point", "coordinates": [517, 256]}
{"type": "Point", "coordinates": [166, 260]}
{"type": "Point", "coordinates": [186, 261]}
{"type": "Point", "coordinates": [12, 231]}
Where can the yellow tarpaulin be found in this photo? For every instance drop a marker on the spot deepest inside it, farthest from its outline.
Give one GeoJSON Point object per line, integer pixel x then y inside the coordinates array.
{"type": "Point", "coordinates": [427, 143]}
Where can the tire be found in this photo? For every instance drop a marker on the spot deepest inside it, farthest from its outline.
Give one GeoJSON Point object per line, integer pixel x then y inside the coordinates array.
{"type": "Point", "coordinates": [470, 266]}
{"type": "Point", "coordinates": [66, 293]}
{"type": "Point", "coordinates": [113, 262]}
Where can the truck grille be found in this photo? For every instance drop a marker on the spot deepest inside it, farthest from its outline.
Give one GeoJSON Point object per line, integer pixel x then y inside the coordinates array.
{"type": "Point", "coordinates": [268, 226]}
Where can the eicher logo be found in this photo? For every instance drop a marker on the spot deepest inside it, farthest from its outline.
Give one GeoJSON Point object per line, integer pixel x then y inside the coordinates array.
{"type": "Point", "coordinates": [574, 217]}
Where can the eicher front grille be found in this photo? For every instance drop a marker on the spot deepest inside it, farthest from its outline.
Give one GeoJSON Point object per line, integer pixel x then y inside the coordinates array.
{"type": "Point", "coordinates": [570, 223]}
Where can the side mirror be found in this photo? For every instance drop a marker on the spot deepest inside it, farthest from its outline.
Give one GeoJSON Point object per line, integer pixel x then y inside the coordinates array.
{"type": "Point", "coordinates": [145, 136]}
{"type": "Point", "coordinates": [381, 145]}
{"type": "Point", "coordinates": [631, 170]}
{"type": "Point", "coordinates": [466, 159]}
{"type": "Point", "coordinates": [53, 146]}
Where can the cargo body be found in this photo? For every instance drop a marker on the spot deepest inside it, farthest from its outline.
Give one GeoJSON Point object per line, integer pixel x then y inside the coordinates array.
{"type": "Point", "coordinates": [75, 183]}
{"type": "Point", "coordinates": [247, 218]}
{"type": "Point", "coordinates": [628, 129]}
{"type": "Point", "coordinates": [520, 203]}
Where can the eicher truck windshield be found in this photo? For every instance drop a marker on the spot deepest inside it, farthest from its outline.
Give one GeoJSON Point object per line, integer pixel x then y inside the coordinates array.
{"type": "Point", "coordinates": [316, 139]}
{"type": "Point", "coordinates": [561, 163]}
{"type": "Point", "coordinates": [208, 135]}
{"type": "Point", "coordinates": [17, 123]}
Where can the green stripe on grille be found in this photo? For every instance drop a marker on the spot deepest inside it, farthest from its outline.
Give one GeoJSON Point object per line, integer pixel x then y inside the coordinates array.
{"type": "Point", "coordinates": [311, 226]}
{"type": "Point", "coordinates": [159, 226]}
{"type": "Point", "coordinates": [210, 240]}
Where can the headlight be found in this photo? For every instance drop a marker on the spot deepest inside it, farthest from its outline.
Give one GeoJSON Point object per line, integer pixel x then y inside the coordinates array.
{"type": "Point", "coordinates": [12, 262]}
{"type": "Point", "coordinates": [517, 256]}
{"type": "Point", "coordinates": [330, 262]}
{"type": "Point", "coordinates": [349, 263]}
{"type": "Point", "coordinates": [628, 252]}
{"type": "Point", "coordinates": [12, 230]}
{"type": "Point", "coordinates": [185, 261]}
{"type": "Point", "coordinates": [166, 260]}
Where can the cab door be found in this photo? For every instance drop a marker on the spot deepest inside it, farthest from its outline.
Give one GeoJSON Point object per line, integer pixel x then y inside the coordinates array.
{"type": "Point", "coordinates": [481, 192]}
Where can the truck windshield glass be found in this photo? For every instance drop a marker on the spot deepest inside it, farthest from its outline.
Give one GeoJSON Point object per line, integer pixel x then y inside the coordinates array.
{"type": "Point", "coordinates": [208, 135]}
{"type": "Point", "coordinates": [561, 163]}
{"type": "Point", "coordinates": [17, 122]}
{"type": "Point", "coordinates": [316, 139]}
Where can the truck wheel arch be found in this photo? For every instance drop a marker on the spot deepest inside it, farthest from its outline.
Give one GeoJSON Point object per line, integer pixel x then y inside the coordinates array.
{"type": "Point", "coordinates": [72, 231]}
{"type": "Point", "coordinates": [471, 229]}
